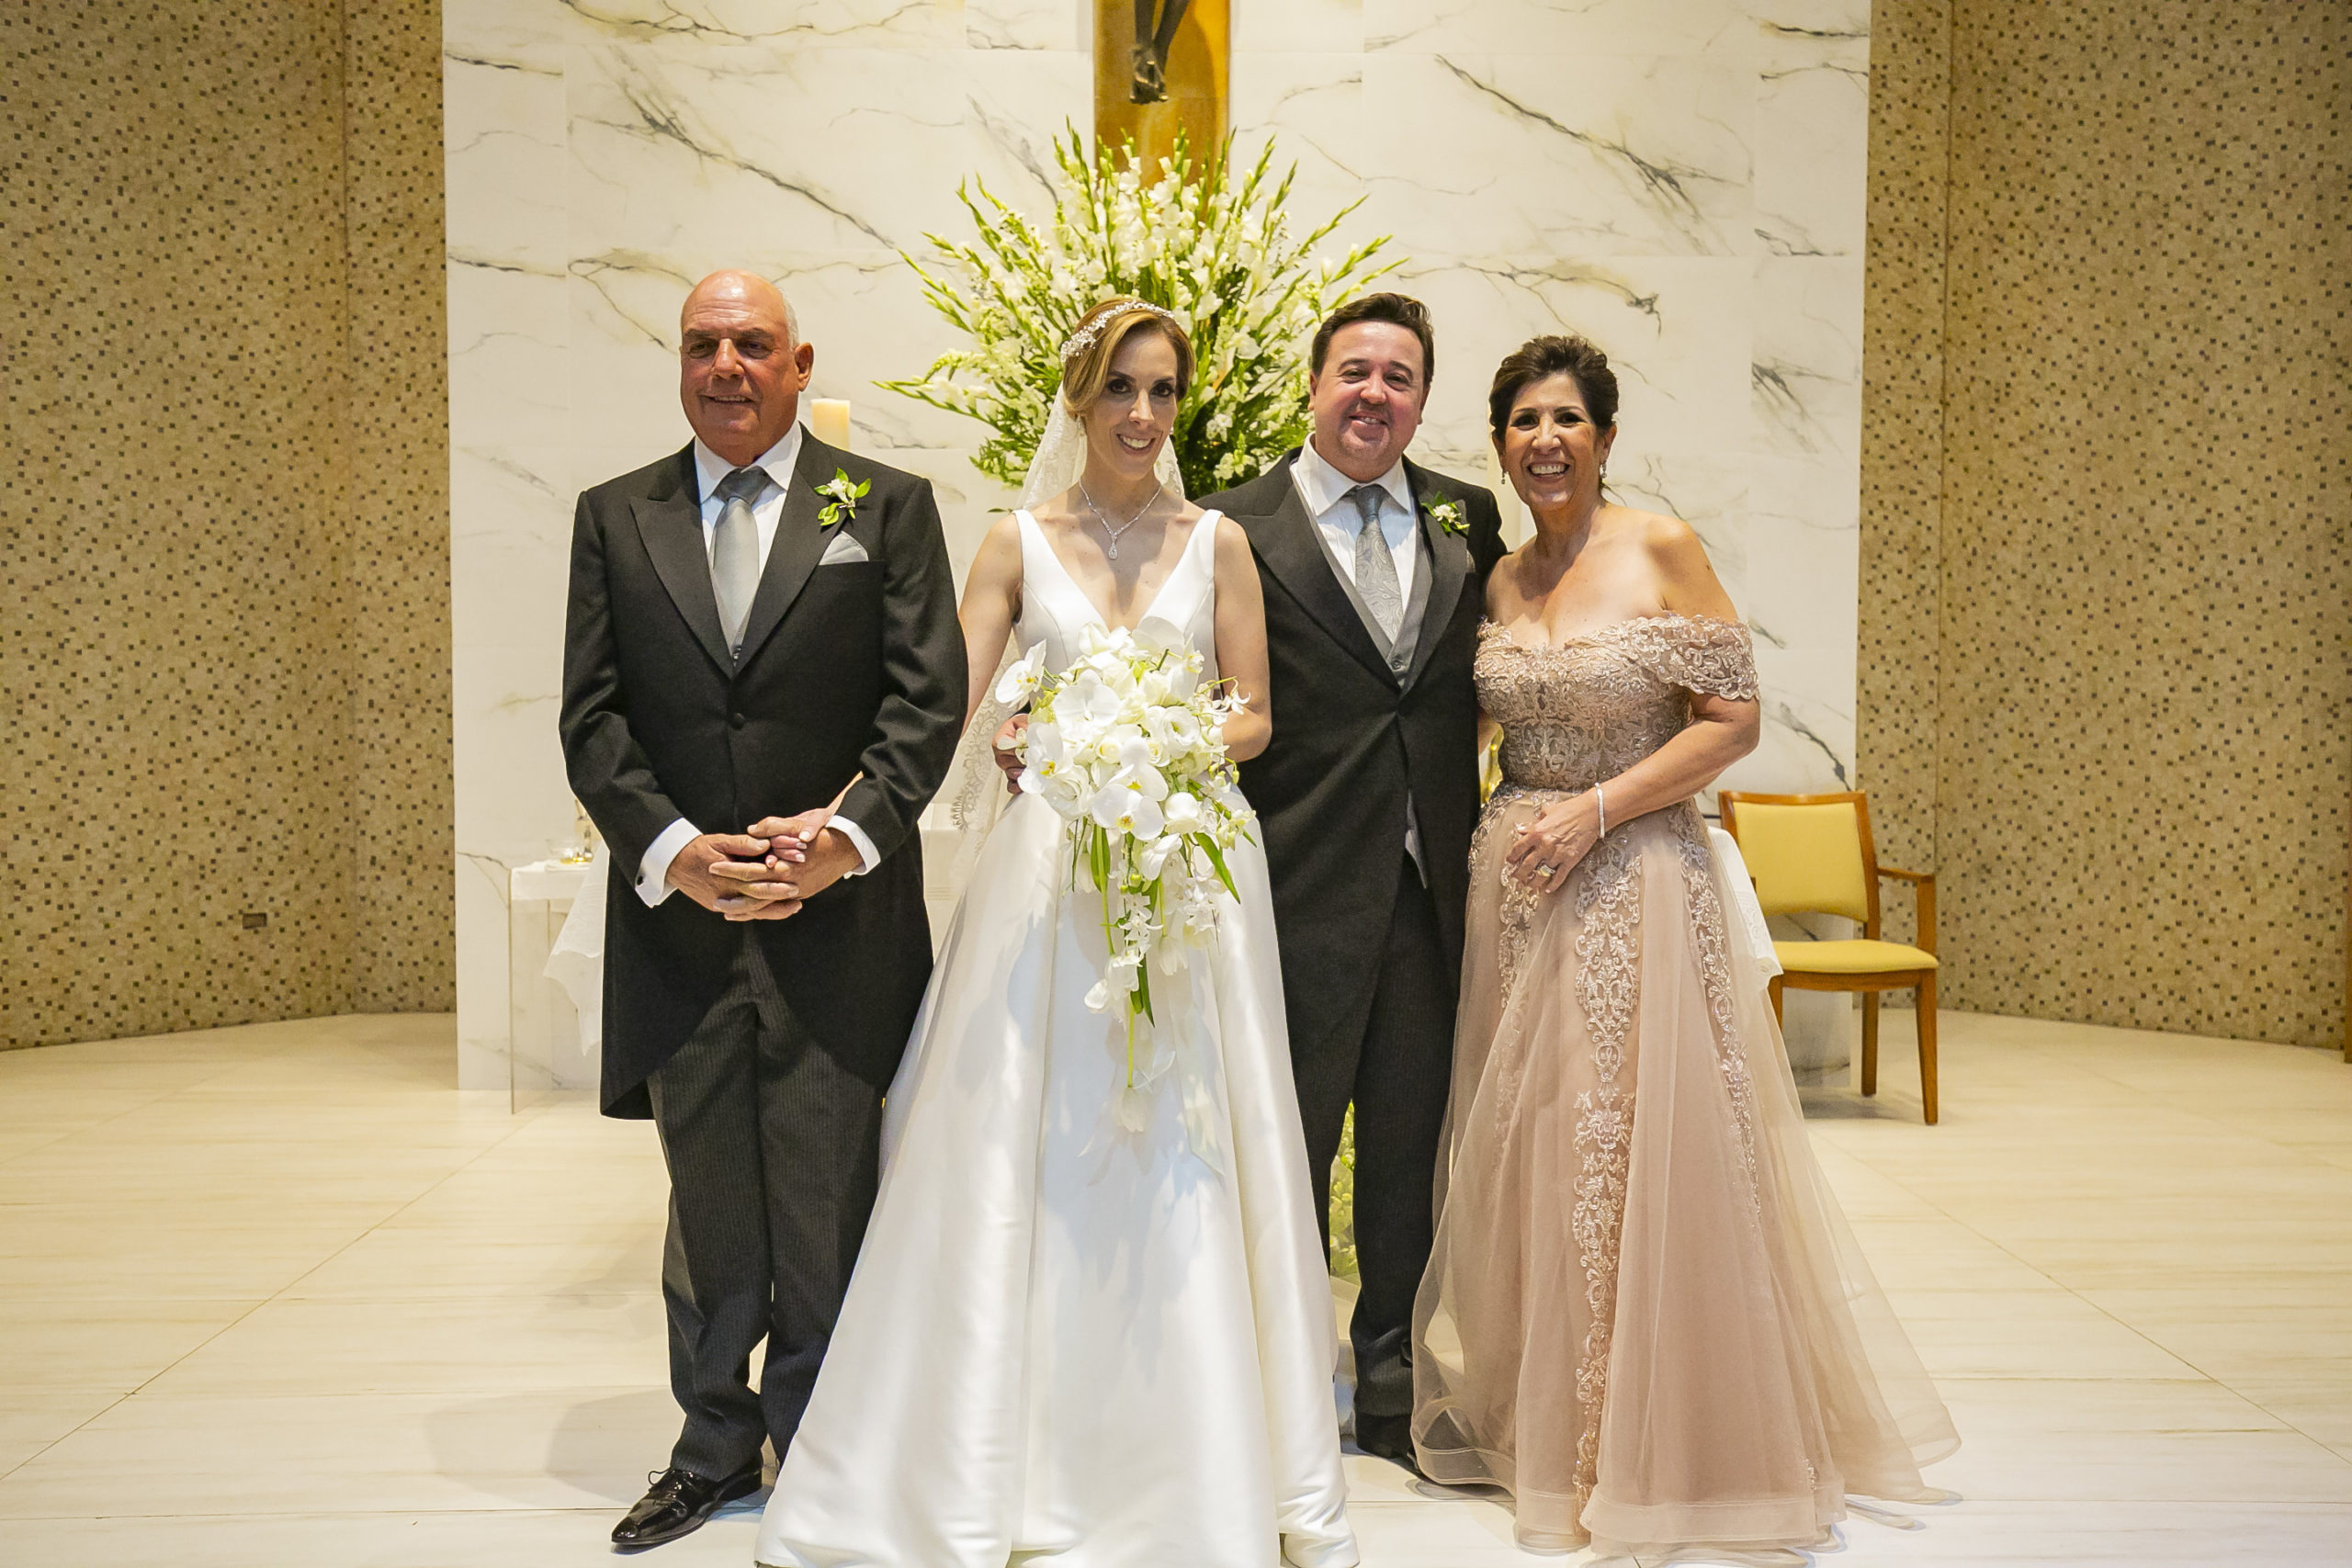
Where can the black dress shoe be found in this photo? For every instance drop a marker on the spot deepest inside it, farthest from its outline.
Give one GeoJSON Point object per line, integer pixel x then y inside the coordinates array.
{"type": "Point", "coordinates": [1387, 1437]}
{"type": "Point", "coordinates": [677, 1503]}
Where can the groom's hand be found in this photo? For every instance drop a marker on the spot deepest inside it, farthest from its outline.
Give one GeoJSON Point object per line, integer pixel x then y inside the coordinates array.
{"type": "Point", "coordinates": [804, 858]}
{"type": "Point", "coordinates": [693, 872]}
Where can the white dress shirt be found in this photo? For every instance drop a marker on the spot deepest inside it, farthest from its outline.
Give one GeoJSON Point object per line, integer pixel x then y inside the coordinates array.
{"type": "Point", "coordinates": [767, 511]}
{"type": "Point", "coordinates": [1325, 490]}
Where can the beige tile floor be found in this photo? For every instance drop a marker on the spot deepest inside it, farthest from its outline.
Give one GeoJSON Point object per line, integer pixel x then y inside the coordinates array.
{"type": "Point", "coordinates": [281, 1295]}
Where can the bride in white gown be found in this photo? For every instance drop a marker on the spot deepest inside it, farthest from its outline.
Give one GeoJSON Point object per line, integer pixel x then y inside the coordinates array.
{"type": "Point", "coordinates": [1065, 1342]}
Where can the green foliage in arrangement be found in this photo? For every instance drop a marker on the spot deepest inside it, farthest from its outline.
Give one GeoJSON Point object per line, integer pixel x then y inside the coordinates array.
{"type": "Point", "coordinates": [1343, 1201]}
{"type": "Point", "coordinates": [1213, 249]}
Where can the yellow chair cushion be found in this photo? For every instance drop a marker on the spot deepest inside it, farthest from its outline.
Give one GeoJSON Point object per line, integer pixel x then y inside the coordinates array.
{"type": "Point", "coordinates": [1850, 957]}
{"type": "Point", "coordinates": [1806, 859]}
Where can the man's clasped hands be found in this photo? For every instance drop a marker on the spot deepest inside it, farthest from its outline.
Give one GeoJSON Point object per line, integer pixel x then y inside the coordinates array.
{"type": "Point", "coordinates": [768, 872]}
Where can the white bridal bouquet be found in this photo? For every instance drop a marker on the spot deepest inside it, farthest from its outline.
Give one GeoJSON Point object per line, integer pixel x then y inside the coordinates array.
{"type": "Point", "coordinates": [1127, 747]}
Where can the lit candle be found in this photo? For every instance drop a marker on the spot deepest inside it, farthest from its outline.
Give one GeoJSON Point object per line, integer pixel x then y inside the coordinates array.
{"type": "Point", "coordinates": [828, 420]}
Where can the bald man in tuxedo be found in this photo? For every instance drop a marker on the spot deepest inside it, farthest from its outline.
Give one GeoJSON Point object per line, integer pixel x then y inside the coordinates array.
{"type": "Point", "coordinates": [758, 699]}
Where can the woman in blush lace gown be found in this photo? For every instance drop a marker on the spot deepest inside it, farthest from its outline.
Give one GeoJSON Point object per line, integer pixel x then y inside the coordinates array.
{"type": "Point", "coordinates": [1644, 1318]}
{"type": "Point", "coordinates": [1066, 1342]}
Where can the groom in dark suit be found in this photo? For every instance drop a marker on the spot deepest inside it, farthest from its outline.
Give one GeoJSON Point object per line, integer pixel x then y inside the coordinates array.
{"type": "Point", "coordinates": [1374, 571]}
{"type": "Point", "coordinates": [746, 639]}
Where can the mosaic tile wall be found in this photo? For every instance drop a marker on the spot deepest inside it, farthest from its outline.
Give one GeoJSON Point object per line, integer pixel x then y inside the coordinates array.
{"type": "Point", "coordinates": [2125, 603]}
{"type": "Point", "coordinates": [1903, 370]}
{"type": "Point", "coordinates": [224, 654]}
{"type": "Point", "coordinates": [405, 957]}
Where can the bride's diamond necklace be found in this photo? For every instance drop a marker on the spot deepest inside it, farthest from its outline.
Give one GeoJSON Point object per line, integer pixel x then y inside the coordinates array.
{"type": "Point", "coordinates": [1103, 517]}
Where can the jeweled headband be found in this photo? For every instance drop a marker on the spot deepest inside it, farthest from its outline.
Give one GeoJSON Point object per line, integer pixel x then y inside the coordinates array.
{"type": "Point", "coordinates": [1078, 342]}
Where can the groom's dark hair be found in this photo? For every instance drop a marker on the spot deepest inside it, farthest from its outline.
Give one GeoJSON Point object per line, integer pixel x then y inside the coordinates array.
{"type": "Point", "coordinates": [1402, 309]}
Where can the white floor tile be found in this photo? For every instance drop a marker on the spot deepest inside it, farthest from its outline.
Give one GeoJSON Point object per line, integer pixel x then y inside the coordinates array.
{"type": "Point", "coordinates": [282, 1296]}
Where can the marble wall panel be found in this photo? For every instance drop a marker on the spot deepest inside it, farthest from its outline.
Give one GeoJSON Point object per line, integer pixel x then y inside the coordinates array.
{"type": "Point", "coordinates": [1680, 181]}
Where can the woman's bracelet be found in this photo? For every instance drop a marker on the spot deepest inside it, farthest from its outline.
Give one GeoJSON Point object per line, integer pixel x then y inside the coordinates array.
{"type": "Point", "coordinates": [1601, 803]}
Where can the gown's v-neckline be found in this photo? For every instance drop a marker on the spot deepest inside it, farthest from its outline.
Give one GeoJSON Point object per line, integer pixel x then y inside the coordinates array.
{"type": "Point", "coordinates": [1071, 578]}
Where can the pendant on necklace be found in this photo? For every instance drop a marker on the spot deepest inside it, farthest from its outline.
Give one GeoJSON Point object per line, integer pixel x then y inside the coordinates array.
{"type": "Point", "coordinates": [1115, 549]}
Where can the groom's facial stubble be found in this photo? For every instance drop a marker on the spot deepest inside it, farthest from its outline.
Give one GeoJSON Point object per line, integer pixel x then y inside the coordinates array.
{"type": "Point", "coordinates": [741, 372]}
{"type": "Point", "coordinates": [1366, 399]}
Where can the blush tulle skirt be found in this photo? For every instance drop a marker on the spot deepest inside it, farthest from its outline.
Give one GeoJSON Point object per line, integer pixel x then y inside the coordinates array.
{"type": "Point", "coordinates": [1645, 1318]}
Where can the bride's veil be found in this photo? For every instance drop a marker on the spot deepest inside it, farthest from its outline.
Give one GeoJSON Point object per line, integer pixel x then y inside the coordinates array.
{"type": "Point", "coordinates": [976, 790]}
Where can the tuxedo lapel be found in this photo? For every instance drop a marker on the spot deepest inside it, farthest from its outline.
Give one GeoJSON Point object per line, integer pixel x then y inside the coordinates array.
{"type": "Point", "coordinates": [1449, 559]}
{"type": "Point", "coordinates": [799, 543]}
{"type": "Point", "coordinates": [1285, 542]}
{"type": "Point", "coordinates": [669, 524]}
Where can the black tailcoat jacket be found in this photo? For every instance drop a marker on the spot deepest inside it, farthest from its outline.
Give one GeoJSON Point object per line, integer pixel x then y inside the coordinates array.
{"type": "Point", "coordinates": [1354, 739]}
{"type": "Point", "coordinates": [848, 669]}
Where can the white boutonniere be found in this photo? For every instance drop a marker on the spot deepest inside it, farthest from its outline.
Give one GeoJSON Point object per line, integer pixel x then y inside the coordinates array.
{"type": "Point", "coordinates": [1447, 514]}
{"type": "Point", "coordinates": [841, 498]}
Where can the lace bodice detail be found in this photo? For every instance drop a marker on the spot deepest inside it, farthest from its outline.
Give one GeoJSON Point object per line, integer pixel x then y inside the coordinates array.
{"type": "Point", "coordinates": [1584, 710]}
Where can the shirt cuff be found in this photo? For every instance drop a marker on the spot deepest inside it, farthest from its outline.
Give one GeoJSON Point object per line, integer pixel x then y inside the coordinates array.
{"type": "Point", "coordinates": [867, 856]}
{"type": "Point", "coordinates": [653, 870]}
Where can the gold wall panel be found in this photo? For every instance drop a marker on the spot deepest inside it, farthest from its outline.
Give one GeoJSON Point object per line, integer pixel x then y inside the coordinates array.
{"type": "Point", "coordinates": [227, 660]}
{"type": "Point", "coordinates": [2140, 676]}
{"type": "Point", "coordinates": [1199, 73]}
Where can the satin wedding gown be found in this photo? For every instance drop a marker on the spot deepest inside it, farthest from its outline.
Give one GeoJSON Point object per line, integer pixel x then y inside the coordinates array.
{"type": "Point", "coordinates": [1645, 1316]}
{"type": "Point", "coordinates": [1065, 1343]}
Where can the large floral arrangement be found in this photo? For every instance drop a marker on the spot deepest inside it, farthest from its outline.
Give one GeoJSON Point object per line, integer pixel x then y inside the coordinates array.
{"type": "Point", "coordinates": [1213, 248]}
{"type": "Point", "coordinates": [1127, 747]}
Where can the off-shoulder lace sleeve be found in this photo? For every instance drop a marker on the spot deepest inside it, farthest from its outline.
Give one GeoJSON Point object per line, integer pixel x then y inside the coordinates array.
{"type": "Point", "coordinates": [1699, 653]}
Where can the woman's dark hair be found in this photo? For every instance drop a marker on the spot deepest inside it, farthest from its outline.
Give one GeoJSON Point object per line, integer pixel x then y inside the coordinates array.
{"type": "Point", "coordinates": [1540, 358]}
{"type": "Point", "coordinates": [1401, 309]}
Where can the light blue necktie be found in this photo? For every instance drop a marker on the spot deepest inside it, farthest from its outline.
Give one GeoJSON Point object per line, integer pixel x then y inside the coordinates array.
{"type": "Point", "coordinates": [1376, 568]}
{"type": "Point", "coordinates": [735, 552]}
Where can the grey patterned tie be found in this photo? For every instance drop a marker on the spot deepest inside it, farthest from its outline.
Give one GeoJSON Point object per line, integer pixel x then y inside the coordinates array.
{"type": "Point", "coordinates": [1376, 568]}
{"type": "Point", "coordinates": [735, 552]}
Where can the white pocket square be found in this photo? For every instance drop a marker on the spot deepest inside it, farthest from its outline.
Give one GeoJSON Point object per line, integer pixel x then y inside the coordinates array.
{"type": "Point", "coordinates": [843, 549]}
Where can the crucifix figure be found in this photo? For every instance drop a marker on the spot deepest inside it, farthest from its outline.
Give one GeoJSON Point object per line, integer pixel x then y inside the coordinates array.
{"type": "Point", "coordinates": [1161, 66]}
{"type": "Point", "coordinates": [1155, 25]}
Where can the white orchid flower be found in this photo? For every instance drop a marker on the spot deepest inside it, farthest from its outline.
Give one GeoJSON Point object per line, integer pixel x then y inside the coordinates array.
{"type": "Point", "coordinates": [1020, 680]}
{"type": "Point", "coordinates": [1125, 811]}
{"type": "Point", "coordinates": [1157, 636]}
{"type": "Point", "coordinates": [1089, 698]}
{"type": "Point", "coordinates": [1153, 859]}
{"type": "Point", "coordinates": [1182, 813]}
{"type": "Point", "coordinates": [1143, 779]}
{"type": "Point", "coordinates": [1041, 742]}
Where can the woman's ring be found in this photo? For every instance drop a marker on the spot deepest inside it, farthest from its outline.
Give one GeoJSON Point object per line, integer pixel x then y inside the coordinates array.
{"type": "Point", "coordinates": [1545, 870]}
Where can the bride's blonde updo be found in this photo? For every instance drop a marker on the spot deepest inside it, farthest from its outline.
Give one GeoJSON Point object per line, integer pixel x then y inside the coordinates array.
{"type": "Point", "coordinates": [1088, 350]}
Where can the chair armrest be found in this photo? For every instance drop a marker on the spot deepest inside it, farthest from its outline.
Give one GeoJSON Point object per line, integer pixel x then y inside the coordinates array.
{"type": "Point", "coordinates": [1923, 883]}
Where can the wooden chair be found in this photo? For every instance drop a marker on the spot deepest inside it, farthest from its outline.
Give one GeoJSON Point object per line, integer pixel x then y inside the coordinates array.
{"type": "Point", "coordinates": [1812, 854]}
